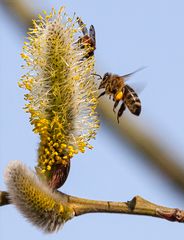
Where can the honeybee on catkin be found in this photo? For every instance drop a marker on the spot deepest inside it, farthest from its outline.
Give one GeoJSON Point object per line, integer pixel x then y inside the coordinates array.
{"type": "Point", "coordinates": [116, 87]}
{"type": "Point", "coordinates": [88, 39]}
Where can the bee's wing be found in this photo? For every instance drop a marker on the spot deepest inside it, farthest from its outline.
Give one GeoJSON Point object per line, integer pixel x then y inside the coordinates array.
{"type": "Point", "coordinates": [138, 87]}
{"type": "Point", "coordinates": [92, 33]}
{"type": "Point", "coordinates": [127, 76]}
{"type": "Point", "coordinates": [83, 26]}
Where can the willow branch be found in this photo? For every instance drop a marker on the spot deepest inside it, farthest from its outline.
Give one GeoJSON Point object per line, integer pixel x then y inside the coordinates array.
{"type": "Point", "coordinates": [161, 156]}
{"type": "Point", "coordinates": [136, 206]}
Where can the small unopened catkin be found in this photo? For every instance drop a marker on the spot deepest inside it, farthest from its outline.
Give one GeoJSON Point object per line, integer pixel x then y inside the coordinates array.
{"type": "Point", "coordinates": [35, 200]}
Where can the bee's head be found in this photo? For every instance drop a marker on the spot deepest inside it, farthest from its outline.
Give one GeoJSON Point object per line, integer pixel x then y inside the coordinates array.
{"type": "Point", "coordinates": [104, 80]}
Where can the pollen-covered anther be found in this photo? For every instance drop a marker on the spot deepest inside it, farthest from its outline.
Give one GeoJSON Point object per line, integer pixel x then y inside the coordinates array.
{"type": "Point", "coordinates": [48, 167]}
{"type": "Point", "coordinates": [63, 146]}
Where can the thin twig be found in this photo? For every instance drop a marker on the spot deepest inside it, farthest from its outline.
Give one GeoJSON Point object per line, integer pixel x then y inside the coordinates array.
{"type": "Point", "coordinates": [136, 206]}
{"type": "Point", "coordinates": [4, 200]}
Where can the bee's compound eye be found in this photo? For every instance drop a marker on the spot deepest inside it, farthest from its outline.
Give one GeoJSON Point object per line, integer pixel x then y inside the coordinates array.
{"type": "Point", "coordinates": [119, 96]}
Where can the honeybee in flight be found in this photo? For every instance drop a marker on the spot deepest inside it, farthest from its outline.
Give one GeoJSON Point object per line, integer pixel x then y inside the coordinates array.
{"type": "Point", "coordinates": [116, 86]}
{"type": "Point", "coordinates": [88, 40]}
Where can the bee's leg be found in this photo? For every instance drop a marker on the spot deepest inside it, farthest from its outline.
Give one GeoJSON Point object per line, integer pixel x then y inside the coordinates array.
{"type": "Point", "coordinates": [121, 110]}
{"type": "Point", "coordinates": [103, 93]}
{"type": "Point", "coordinates": [115, 105]}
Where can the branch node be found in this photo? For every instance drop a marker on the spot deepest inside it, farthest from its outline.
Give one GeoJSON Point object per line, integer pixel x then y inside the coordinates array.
{"type": "Point", "coordinates": [173, 215]}
{"type": "Point", "coordinates": [136, 202]}
{"type": "Point", "coordinates": [132, 203]}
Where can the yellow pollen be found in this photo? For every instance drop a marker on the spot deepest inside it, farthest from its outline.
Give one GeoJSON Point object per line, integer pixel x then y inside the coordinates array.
{"type": "Point", "coordinates": [63, 145]}
{"type": "Point", "coordinates": [48, 167]}
{"type": "Point", "coordinates": [58, 158]}
{"type": "Point", "coordinates": [119, 96]}
{"type": "Point", "coordinates": [61, 209]}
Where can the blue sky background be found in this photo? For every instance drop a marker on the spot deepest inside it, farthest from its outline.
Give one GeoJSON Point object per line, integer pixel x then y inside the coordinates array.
{"type": "Point", "coordinates": [130, 34]}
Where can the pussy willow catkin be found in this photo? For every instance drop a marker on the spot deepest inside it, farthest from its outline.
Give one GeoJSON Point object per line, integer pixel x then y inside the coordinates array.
{"type": "Point", "coordinates": [62, 95]}
{"type": "Point", "coordinates": [38, 203]}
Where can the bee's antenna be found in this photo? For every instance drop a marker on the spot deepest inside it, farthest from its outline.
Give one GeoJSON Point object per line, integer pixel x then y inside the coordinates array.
{"type": "Point", "coordinates": [130, 74]}
{"type": "Point", "coordinates": [97, 75]}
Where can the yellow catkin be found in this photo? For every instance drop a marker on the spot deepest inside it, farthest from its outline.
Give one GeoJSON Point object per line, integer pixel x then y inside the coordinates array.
{"type": "Point", "coordinates": [62, 94]}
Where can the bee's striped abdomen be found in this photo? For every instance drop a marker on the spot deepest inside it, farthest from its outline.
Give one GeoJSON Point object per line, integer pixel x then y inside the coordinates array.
{"type": "Point", "coordinates": [132, 101]}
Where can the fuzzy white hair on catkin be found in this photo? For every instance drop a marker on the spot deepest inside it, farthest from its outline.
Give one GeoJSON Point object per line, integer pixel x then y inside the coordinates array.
{"type": "Point", "coordinates": [34, 199]}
